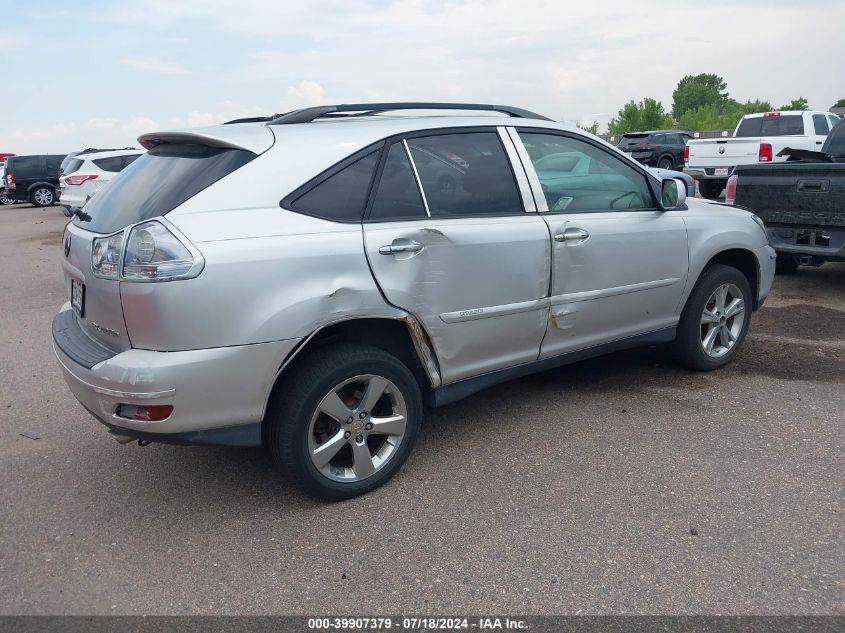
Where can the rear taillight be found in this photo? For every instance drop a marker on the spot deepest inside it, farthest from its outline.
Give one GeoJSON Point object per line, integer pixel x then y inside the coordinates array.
{"type": "Point", "coordinates": [730, 189]}
{"type": "Point", "coordinates": [686, 153]}
{"type": "Point", "coordinates": [148, 413]}
{"type": "Point", "coordinates": [105, 256]}
{"type": "Point", "coordinates": [10, 181]}
{"type": "Point", "coordinates": [78, 180]}
{"type": "Point", "coordinates": [155, 253]}
{"type": "Point", "coordinates": [643, 147]}
{"type": "Point", "coordinates": [765, 155]}
{"type": "Point", "coordinates": [770, 114]}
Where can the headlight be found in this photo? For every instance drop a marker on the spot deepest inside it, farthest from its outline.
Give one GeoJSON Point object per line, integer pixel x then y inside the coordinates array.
{"type": "Point", "coordinates": [105, 256]}
{"type": "Point", "coordinates": [154, 253]}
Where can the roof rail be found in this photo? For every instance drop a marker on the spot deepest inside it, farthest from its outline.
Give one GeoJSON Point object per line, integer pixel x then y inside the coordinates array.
{"type": "Point", "coordinates": [306, 115]}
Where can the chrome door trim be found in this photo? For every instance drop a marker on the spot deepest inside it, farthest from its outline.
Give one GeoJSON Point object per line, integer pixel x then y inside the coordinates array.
{"type": "Point", "coordinates": [416, 176]}
{"type": "Point", "coordinates": [474, 314]}
{"type": "Point", "coordinates": [587, 295]}
{"type": "Point", "coordinates": [536, 188]}
{"type": "Point", "coordinates": [518, 170]}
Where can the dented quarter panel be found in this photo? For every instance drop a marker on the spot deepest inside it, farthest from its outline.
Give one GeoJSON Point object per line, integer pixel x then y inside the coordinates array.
{"type": "Point", "coordinates": [311, 273]}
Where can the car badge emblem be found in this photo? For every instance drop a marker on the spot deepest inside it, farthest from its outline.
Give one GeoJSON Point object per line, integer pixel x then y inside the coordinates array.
{"type": "Point", "coordinates": [67, 245]}
{"type": "Point", "coordinates": [721, 150]}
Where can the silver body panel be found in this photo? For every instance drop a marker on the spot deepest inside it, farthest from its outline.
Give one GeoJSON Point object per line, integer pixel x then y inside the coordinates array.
{"type": "Point", "coordinates": [483, 294]}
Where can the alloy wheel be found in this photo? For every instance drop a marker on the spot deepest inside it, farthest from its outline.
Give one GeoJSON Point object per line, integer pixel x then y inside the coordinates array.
{"type": "Point", "coordinates": [357, 428]}
{"type": "Point", "coordinates": [722, 320]}
{"type": "Point", "coordinates": [44, 197]}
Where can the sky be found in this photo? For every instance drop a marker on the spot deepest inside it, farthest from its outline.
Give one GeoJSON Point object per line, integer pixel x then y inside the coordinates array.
{"type": "Point", "coordinates": [95, 73]}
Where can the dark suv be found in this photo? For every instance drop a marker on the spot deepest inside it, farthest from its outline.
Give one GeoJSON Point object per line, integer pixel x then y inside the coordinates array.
{"type": "Point", "coordinates": [663, 149]}
{"type": "Point", "coordinates": [33, 179]}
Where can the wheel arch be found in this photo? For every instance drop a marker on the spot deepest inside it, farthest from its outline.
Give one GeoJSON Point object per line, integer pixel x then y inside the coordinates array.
{"type": "Point", "coordinates": [402, 336]}
{"type": "Point", "coordinates": [41, 183]}
{"type": "Point", "coordinates": [743, 260]}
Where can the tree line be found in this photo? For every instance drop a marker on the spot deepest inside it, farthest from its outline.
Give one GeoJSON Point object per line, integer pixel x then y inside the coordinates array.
{"type": "Point", "coordinates": [700, 102]}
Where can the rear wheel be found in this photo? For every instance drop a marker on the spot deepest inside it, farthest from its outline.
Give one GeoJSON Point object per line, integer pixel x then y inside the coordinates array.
{"type": "Point", "coordinates": [715, 319]}
{"type": "Point", "coordinates": [5, 199]}
{"type": "Point", "coordinates": [666, 163]}
{"type": "Point", "coordinates": [710, 189]}
{"type": "Point", "coordinates": [42, 197]}
{"type": "Point", "coordinates": [344, 421]}
{"type": "Point", "coordinates": [786, 264]}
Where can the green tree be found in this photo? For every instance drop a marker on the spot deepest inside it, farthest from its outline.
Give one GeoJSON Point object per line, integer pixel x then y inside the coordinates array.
{"type": "Point", "coordinates": [839, 104]}
{"type": "Point", "coordinates": [698, 91]}
{"type": "Point", "coordinates": [723, 117]}
{"type": "Point", "coordinates": [796, 104]}
{"type": "Point", "coordinates": [648, 114]}
{"type": "Point", "coordinates": [592, 129]}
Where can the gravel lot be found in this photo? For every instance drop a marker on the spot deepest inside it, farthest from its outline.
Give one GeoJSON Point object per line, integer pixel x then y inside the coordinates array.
{"type": "Point", "coordinates": [622, 484]}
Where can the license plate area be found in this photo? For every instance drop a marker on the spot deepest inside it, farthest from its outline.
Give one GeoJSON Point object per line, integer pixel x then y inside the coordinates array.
{"type": "Point", "coordinates": [721, 171]}
{"type": "Point", "coordinates": [77, 297]}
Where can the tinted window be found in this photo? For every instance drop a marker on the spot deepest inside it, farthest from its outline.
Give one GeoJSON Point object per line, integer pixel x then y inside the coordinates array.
{"type": "Point", "coordinates": [606, 183]}
{"type": "Point", "coordinates": [633, 139]}
{"type": "Point", "coordinates": [820, 125]}
{"type": "Point", "coordinates": [71, 166]}
{"type": "Point", "coordinates": [833, 120]}
{"type": "Point", "coordinates": [467, 174]}
{"type": "Point", "coordinates": [63, 167]}
{"type": "Point", "coordinates": [24, 166]}
{"type": "Point", "coordinates": [128, 160]}
{"type": "Point", "coordinates": [341, 196]}
{"type": "Point", "coordinates": [53, 164]}
{"type": "Point", "coordinates": [157, 183]}
{"type": "Point", "coordinates": [397, 196]}
{"type": "Point", "coordinates": [772, 126]}
{"type": "Point", "coordinates": [113, 163]}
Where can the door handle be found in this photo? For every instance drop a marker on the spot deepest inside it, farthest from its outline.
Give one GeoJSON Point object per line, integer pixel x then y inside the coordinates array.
{"type": "Point", "coordinates": [572, 235]}
{"type": "Point", "coordinates": [393, 249]}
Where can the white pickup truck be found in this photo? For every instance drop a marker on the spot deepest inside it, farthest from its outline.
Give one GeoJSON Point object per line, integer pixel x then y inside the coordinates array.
{"type": "Point", "coordinates": [758, 138]}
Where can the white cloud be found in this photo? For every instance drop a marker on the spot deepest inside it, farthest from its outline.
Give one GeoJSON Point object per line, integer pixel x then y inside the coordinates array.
{"type": "Point", "coordinates": [155, 66]}
{"type": "Point", "coordinates": [11, 41]}
{"type": "Point", "coordinates": [308, 92]}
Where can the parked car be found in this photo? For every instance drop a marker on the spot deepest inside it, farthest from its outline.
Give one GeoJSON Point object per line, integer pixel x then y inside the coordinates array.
{"type": "Point", "coordinates": [758, 138]}
{"type": "Point", "coordinates": [33, 179]}
{"type": "Point", "coordinates": [801, 201]}
{"type": "Point", "coordinates": [4, 198]}
{"type": "Point", "coordinates": [88, 171]}
{"type": "Point", "coordinates": [662, 148]}
{"type": "Point", "coordinates": [292, 284]}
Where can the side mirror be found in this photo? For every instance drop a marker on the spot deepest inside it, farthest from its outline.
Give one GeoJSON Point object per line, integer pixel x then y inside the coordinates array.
{"type": "Point", "coordinates": [674, 193]}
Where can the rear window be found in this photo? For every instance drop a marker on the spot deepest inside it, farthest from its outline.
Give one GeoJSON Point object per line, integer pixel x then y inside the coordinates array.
{"type": "Point", "coordinates": [113, 163]}
{"type": "Point", "coordinates": [771, 126]}
{"type": "Point", "coordinates": [71, 166]}
{"type": "Point", "coordinates": [633, 138]}
{"type": "Point", "coordinates": [158, 182]}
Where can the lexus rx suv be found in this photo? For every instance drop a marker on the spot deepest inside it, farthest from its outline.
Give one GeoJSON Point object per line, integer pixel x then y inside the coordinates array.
{"type": "Point", "coordinates": [311, 281]}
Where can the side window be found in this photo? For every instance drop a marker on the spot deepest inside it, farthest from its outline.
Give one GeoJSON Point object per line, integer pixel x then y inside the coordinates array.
{"type": "Point", "coordinates": [608, 183]}
{"type": "Point", "coordinates": [128, 160]}
{"type": "Point", "coordinates": [465, 175]}
{"type": "Point", "coordinates": [53, 164]}
{"type": "Point", "coordinates": [397, 195]}
{"type": "Point", "coordinates": [833, 120]}
{"type": "Point", "coordinates": [113, 163]}
{"type": "Point", "coordinates": [26, 166]}
{"type": "Point", "coordinates": [340, 197]}
{"type": "Point", "coordinates": [820, 124]}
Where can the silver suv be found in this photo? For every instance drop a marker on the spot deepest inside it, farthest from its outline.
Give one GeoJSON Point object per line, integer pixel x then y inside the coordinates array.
{"type": "Point", "coordinates": [309, 281]}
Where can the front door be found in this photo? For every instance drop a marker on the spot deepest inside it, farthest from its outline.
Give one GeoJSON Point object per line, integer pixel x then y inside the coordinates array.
{"type": "Point", "coordinates": [449, 240]}
{"type": "Point", "coordinates": [619, 263]}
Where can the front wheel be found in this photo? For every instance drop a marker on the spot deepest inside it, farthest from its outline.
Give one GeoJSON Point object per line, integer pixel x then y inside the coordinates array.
{"type": "Point", "coordinates": [715, 319]}
{"type": "Point", "coordinates": [42, 197]}
{"type": "Point", "coordinates": [344, 421]}
{"type": "Point", "coordinates": [710, 189]}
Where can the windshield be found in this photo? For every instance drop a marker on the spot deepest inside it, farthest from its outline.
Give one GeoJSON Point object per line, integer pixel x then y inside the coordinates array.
{"type": "Point", "coordinates": [158, 182]}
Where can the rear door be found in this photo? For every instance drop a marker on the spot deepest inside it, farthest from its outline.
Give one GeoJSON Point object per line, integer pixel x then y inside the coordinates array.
{"type": "Point", "coordinates": [820, 130]}
{"type": "Point", "coordinates": [619, 263]}
{"type": "Point", "coordinates": [453, 239]}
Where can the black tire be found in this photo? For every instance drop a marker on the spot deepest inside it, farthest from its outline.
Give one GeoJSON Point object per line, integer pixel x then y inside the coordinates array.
{"type": "Point", "coordinates": [285, 432]}
{"type": "Point", "coordinates": [711, 189]}
{"type": "Point", "coordinates": [666, 163]}
{"type": "Point", "coordinates": [687, 347]}
{"type": "Point", "coordinates": [46, 195]}
{"type": "Point", "coordinates": [786, 264]}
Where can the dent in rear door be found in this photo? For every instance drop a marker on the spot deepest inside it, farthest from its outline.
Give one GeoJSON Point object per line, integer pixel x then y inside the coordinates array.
{"type": "Point", "coordinates": [478, 284]}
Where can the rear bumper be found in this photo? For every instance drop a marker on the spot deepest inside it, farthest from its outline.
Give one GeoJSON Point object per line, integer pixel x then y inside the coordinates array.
{"type": "Point", "coordinates": [700, 173]}
{"type": "Point", "coordinates": [215, 393]}
{"type": "Point", "coordinates": [822, 242]}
